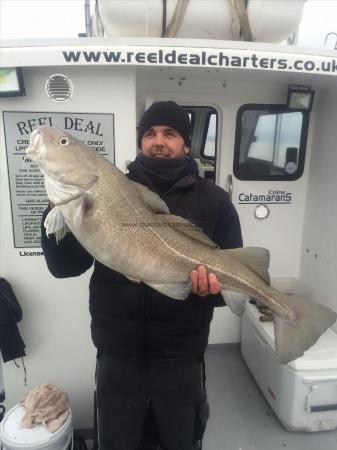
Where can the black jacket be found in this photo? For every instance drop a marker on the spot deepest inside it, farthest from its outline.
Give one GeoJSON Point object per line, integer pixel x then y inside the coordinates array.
{"type": "Point", "coordinates": [131, 319]}
{"type": "Point", "coordinates": [11, 343]}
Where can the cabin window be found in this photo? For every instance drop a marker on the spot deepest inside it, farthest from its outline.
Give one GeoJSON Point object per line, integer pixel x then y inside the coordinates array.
{"type": "Point", "coordinates": [270, 142]}
{"type": "Point", "coordinates": [204, 139]}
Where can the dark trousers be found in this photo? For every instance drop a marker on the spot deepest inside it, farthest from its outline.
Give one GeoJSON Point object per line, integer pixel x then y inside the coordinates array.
{"type": "Point", "coordinates": [124, 389]}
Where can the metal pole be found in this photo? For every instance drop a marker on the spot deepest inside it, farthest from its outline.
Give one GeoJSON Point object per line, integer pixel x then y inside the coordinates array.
{"type": "Point", "coordinates": [88, 25]}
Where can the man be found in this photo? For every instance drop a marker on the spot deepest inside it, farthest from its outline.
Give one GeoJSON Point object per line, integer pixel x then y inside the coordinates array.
{"type": "Point", "coordinates": [150, 348]}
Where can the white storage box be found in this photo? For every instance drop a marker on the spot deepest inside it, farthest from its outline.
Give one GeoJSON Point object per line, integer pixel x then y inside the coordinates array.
{"type": "Point", "coordinates": [302, 393]}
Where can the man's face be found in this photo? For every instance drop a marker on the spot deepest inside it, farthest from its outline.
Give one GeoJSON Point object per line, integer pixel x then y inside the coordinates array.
{"type": "Point", "coordinates": [161, 141]}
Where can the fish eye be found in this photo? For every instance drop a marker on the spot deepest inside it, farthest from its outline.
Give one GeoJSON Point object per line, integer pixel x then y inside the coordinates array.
{"type": "Point", "coordinates": [64, 141]}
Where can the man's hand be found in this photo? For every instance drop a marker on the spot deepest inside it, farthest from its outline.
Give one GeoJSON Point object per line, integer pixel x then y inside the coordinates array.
{"type": "Point", "coordinates": [202, 284]}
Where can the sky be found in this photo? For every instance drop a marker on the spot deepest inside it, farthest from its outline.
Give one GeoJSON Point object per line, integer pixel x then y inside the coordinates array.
{"type": "Point", "coordinates": [21, 19]}
{"type": "Point", "coordinates": [41, 18]}
{"type": "Point", "coordinates": [319, 19]}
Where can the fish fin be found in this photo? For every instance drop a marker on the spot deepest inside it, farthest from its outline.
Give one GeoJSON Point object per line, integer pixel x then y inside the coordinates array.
{"type": "Point", "coordinates": [55, 224]}
{"type": "Point", "coordinates": [134, 280]}
{"type": "Point", "coordinates": [178, 291]}
{"type": "Point", "coordinates": [294, 337]}
{"type": "Point", "coordinates": [152, 200]}
{"type": "Point", "coordinates": [84, 207]}
{"type": "Point", "coordinates": [291, 286]}
{"type": "Point", "coordinates": [188, 228]}
{"type": "Point", "coordinates": [235, 300]}
{"type": "Point", "coordinates": [256, 258]}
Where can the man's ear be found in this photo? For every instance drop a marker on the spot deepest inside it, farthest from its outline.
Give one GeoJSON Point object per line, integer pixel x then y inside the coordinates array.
{"type": "Point", "coordinates": [187, 150]}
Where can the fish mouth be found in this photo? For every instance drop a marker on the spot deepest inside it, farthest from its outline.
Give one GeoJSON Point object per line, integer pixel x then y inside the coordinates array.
{"type": "Point", "coordinates": [35, 142]}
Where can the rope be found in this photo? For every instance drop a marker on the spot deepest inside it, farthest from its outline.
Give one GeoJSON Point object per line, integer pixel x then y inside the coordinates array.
{"type": "Point", "coordinates": [163, 27]}
{"type": "Point", "coordinates": [241, 26]}
{"type": "Point", "coordinates": [174, 26]}
{"type": "Point", "coordinates": [24, 369]}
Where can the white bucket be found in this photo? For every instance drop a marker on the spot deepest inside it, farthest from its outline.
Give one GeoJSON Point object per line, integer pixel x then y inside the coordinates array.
{"type": "Point", "coordinates": [14, 437]}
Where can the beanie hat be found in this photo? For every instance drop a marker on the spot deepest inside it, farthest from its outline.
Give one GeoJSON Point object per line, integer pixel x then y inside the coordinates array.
{"type": "Point", "coordinates": [166, 113]}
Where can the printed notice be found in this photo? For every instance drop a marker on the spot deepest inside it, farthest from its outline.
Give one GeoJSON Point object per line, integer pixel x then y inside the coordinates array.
{"type": "Point", "coordinates": [26, 183]}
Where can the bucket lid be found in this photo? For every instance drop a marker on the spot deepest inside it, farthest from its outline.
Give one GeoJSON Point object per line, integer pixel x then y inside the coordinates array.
{"type": "Point", "coordinates": [14, 435]}
{"type": "Point", "coordinates": [321, 356]}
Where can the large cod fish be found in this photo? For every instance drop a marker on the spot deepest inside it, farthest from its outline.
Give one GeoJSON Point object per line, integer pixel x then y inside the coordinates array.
{"type": "Point", "coordinates": [128, 228]}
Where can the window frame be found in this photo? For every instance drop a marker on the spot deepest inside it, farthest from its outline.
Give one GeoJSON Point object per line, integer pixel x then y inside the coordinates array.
{"type": "Point", "coordinates": [199, 140]}
{"type": "Point", "coordinates": [192, 119]}
{"type": "Point", "coordinates": [204, 138]}
{"type": "Point", "coordinates": [273, 108]}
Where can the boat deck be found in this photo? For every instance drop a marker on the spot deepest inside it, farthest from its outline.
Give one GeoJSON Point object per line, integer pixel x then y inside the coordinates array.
{"type": "Point", "coordinates": [241, 418]}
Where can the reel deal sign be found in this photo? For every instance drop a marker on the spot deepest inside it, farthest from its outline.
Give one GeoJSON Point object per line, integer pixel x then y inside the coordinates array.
{"type": "Point", "coordinates": [26, 183]}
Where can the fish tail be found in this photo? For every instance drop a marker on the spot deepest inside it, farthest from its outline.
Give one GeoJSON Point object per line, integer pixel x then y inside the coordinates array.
{"type": "Point", "coordinates": [305, 323]}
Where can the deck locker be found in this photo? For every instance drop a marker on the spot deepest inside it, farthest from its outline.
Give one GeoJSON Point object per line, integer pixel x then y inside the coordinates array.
{"type": "Point", "coordinates": [302, 393]}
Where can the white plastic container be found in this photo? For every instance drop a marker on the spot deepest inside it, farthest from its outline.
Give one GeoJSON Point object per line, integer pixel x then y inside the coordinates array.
{"type": "Point", "coordinates": [14, 437]}
{"type": "Point", "coordinates": [302, 393]}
